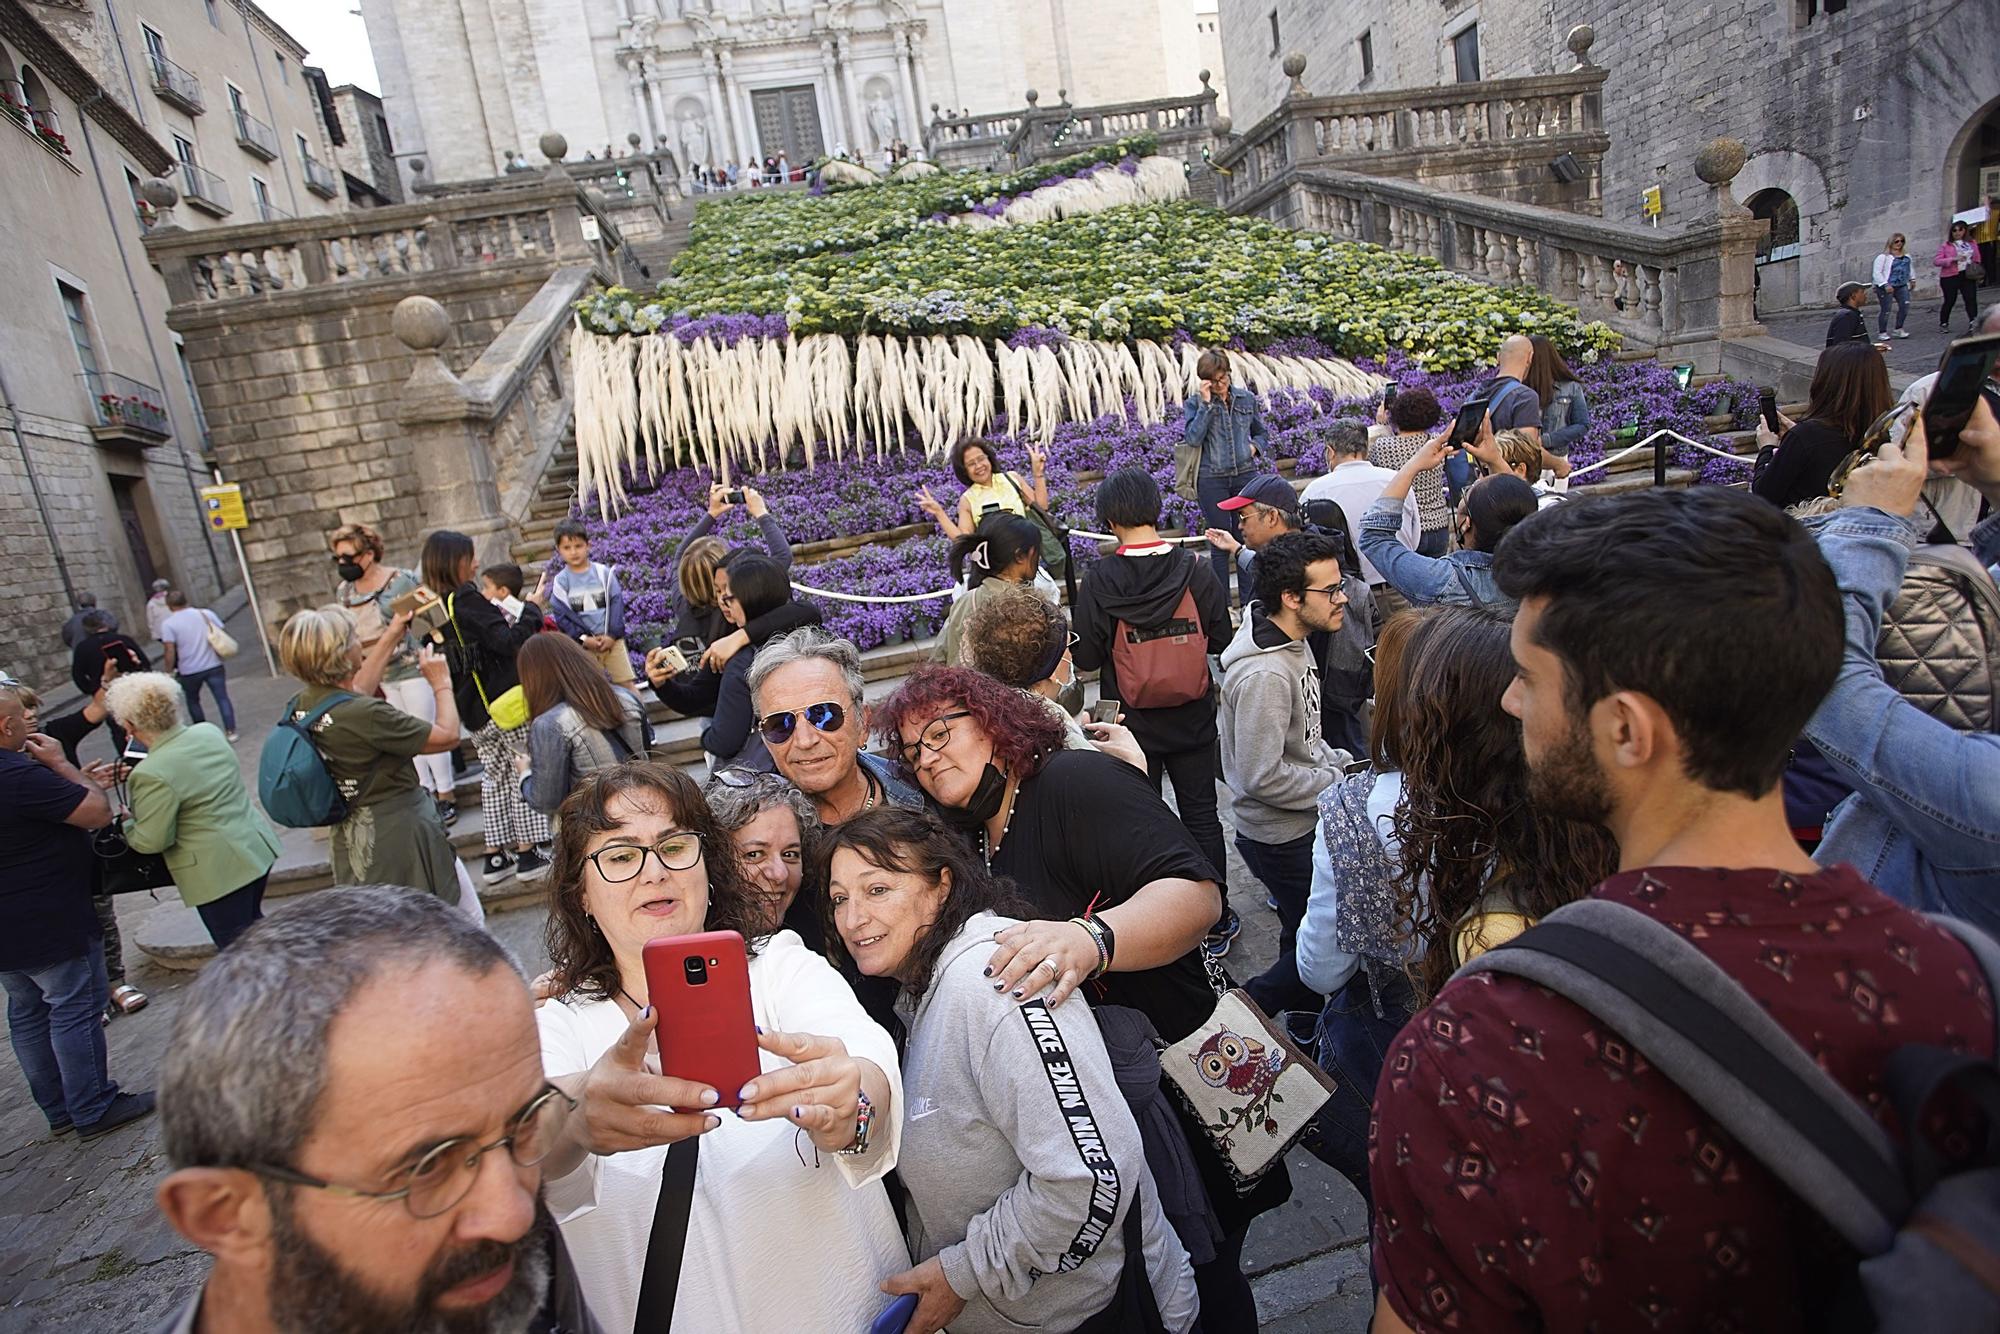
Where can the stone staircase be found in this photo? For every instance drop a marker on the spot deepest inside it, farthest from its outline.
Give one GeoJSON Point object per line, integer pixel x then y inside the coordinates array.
{"type": "Point", "coordinates": [554, 496]}
{"type": "Point", "coordinates": [656, 253]}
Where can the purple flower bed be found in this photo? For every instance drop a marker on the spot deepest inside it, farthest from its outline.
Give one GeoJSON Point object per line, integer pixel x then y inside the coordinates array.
{"type": "Point", "coordinates": [864, 494]}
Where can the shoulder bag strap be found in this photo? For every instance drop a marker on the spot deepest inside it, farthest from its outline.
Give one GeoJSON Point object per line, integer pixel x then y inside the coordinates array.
{"type": "Point", "coordinates": [1704, 1032]}
{"type": "Point", "coordinates": [319, 710]}
{"type": "Point", "coordinates": [451, 614]}
{"type": "Point", "coordinates": [660, 1283]}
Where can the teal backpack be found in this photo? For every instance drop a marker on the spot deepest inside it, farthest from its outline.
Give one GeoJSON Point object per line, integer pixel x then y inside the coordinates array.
{"type": "Point", "coordinates": [292, 780]}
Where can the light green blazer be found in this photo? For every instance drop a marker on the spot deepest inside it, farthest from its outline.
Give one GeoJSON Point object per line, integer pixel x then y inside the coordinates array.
{"type": "Point", "coordinates": [189, 803]}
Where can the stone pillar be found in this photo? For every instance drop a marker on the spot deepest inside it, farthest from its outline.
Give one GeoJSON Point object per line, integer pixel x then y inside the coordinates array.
{"type": "Point", "coordinates": [1737, 234]}
{"type": "Point", "coordinates": [906, 88]}
{"type": "Point", "coordinates": [448, 432]}
{"type": "Point", "coordinates": [739, 137]}
{"type": "Point", "coordinates": [856, 126]}
{"type": "Point", "coordinates": [830, 71]}
{"type": "Point", "coordinates": [635, 83]}
{"type": "Point", "coordinates": [656, 102]}
{"type": "Point", "coordinates": [718, 129]}
{"type": "Point", "coordinates": [922, 85]}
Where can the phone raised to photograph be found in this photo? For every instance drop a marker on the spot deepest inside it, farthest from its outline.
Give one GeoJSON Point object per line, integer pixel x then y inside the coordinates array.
{"type": "Point", "coordinates": [1767, 407]}
{"type": "Point", "coordinates": [700, 984]}
{"type": "Point", "coordinates": [1967, 364]}
{"type": "Point", "coordinates": [1465, 426]}
{"type": "Point", "coordinates": [733, 496]}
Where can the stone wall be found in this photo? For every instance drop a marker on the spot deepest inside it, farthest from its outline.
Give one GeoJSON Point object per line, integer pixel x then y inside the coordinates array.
{"type": "Point", "coordinates": [1860, 115]}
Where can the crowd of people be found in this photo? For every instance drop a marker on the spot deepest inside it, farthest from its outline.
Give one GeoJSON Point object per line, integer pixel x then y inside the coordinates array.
{"type": "Point", "coordinates": [1451, 706]}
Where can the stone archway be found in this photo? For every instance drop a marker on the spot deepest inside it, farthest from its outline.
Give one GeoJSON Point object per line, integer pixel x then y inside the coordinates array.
{"type": "Point", "coordinates": [1972, 173]}
{"type": "Point", "coordinates": [1778, 250]}
{"type": "Point", "coordinates": [1787, 279]}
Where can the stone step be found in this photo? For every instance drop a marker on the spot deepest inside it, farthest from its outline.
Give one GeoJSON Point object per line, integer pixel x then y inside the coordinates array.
{"type": "Point", "coordinates": [1624, 482]}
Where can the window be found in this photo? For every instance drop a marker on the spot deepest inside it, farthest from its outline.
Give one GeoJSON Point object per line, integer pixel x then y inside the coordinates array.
{"type": "Point", "coordinates": [1275, 41]}
{"type": "Point", "coordinates": [1367, 47]}
{"type": "Point", "coordinates": [79, 329]}
{"type": "Point", "coordinates": [187, 378]}
{"type": "Point", "coordinates": [260, 194]}
{"type": "Point", "coordinates": [382, 128]}
{"type": "Point", "coordinates": [156, 45]}
{"type": "Point", "coordinates": [1465, 54]}
{"type": "Point", "coordinates": [214, 15]}
{"type": "Point", "coordinates": [284, 70]}
{"type": "Point", "coordinates": [184, 150]}
{"type": "Point", "coordinates": [235, 102]}
{"type": "Point", "coordinates": [305, 149]}
{"type": "Point", "coordinates": [1805, 11]}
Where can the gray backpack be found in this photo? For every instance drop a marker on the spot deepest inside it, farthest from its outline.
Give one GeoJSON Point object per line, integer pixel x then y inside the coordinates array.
{"type": "Point", "coordinates": [1927, 1232]}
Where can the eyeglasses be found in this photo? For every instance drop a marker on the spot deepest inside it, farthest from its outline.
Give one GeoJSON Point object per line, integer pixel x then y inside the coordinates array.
{"type": "Point", "coordinates": [934, 738]}
{"type": "Point", "coordinates": [338, 557]}
{"type": "Point", "coordinates": [622, 861]}
{"type": "Point", "coordinates": [825, 717]}
{"type": "Point", "coordinates": [1334, 595]}
{"type": "Point", "coordinates": [444, 1175]}
{"type": "Point", "coordinates": [736, 776]}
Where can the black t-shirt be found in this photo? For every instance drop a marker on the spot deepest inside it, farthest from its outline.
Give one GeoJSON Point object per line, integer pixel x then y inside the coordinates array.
{"type": "Point", "coordinates": [1512, 404]}
{"type": "Point", "coordinates": [1803, 464]}
{"type": "Point", "coordinates": [1089, 826]}
{"type": "Point", "coordinates": [46, 867]}
{"type": "Point", "coordinates": [1848, 326]}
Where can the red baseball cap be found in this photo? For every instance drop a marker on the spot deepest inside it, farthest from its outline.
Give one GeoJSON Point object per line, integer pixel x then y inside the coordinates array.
{"type": "Point", "coordinates": [1270, 489]}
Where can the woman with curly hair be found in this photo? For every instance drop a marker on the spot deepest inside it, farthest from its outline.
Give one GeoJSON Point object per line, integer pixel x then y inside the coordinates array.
{"type": "Point", "coordinates": [1095, 849]}
{"type": "Point", "coordinates": [1476, 863]}
{"type": "Point", "coordinates": [639, 857]}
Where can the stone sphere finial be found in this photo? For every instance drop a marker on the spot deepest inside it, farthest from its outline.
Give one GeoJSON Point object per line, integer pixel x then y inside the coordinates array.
{"type": "Point", "coordinates": [554, 147]}
{"type": "Point", "coordinates": [159, 194]}
{"type": "Point", "coordinates": [420, 323]}
{"type": "Point", "coordinates": [1204, 76]}
{"type": "Point", "coordinates": [418, 166]}
{"type": "Point", "coordinates": [1033, 97]}
{"type": "Point", "coordinates": [1222, 127]}
{"type": "Point", "coordinates": [1579, 40]}
{"type": "Point", "coordinates": [634, 139]}
{"type": "Point", "coordinates": [1719, 160]}
{"type": "Point", "coordinates": [1295, 68]}
{"type": "Point", "coordinates": [1062, 96]}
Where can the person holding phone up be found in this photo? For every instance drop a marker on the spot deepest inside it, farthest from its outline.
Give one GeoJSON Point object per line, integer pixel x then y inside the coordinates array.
{"type": "Point", "coordinates": [702, 634]}
{"type": "Point", "coordinates": [781, 1233]}
{"type": "Point", "coordinates": [1226, 422]}
{"type": "Point", "coordinates": [1492, 506]}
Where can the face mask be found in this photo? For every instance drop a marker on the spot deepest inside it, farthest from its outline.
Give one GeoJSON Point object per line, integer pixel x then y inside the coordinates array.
{"type": "Point", "coordinates": [1063, 687]}
{"type": "Point", "coordinates": [350, 570]}
{"type": "Point", "coordinates": [984, 803]}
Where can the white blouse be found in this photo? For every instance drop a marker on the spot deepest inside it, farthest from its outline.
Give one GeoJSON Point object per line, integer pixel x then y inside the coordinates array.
{"type": "Point", "coordinates": [772, 1243]}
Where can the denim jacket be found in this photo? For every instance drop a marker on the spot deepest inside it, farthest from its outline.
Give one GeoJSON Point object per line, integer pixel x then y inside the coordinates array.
{"type": "Point", "coordinates": [1231, 441]}
{"type": "Point", "coordinates": [1462, 579]}
{"type": "Point", "coordinates": [1924, 821]}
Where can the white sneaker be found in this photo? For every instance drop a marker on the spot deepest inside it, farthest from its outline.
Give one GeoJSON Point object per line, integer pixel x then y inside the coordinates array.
{"type": "Point", "coordinates": [230, 735]}
{"type": "Point", "coordinates": [1902, 333]}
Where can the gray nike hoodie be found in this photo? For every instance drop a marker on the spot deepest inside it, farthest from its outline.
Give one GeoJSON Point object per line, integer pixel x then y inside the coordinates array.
{"type": "Point", "coordinates": [1021, 1156]}
{"type": "Point", "coordinates": [1271, 754]}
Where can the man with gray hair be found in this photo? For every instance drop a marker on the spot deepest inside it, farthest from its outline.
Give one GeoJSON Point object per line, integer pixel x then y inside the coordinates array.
{"type": "Point", "coordinates": [73, 631]}
{"type": "Point", "coordinates": [806, 688]}
{"type": "Point", "coordinates": [354, 1107]}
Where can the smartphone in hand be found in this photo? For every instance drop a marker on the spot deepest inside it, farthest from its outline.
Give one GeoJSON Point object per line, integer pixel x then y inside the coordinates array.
{"type": "Point", "coordinates": [1955, 395]}
{"type": "Point", "coordinates": [1105, 711]}
{"type": "Point", "coordinates": [1465, 426]}
{"type": "Point", "coordinates": [700, 984]}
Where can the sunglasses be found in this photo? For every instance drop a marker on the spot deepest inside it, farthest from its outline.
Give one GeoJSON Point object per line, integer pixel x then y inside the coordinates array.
{"type": "Point", "coordinates": [778, 728]}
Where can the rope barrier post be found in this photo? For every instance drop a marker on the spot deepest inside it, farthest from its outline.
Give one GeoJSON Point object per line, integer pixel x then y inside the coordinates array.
{"type": "Point", "coordinates": [1660, 438]}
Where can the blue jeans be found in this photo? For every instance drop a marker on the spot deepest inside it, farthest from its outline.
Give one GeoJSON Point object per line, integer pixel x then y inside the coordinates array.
{"type": "Point", "coordinates": [1287, 871]}
{"type": "Point", "coordinates": [217, 681]}
{"type": "Point", "coordinates": [55, 1020]}
{"type": "Point", "coordinates": [1458, 476]}
{"type": "Point", "coordinates": [1900, 296]}
{"type": "Point", "coordinates": [1353, 1043]}
{"type": "Point", "coordinates": [1210, 489]}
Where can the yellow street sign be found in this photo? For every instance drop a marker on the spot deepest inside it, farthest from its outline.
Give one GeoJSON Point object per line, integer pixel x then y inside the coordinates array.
{"type": "Point", "coordinates": [224, 507]}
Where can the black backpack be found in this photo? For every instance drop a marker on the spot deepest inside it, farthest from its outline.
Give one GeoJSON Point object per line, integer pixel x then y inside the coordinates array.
{"type": "Point", "coordinates": [1927, 1232]}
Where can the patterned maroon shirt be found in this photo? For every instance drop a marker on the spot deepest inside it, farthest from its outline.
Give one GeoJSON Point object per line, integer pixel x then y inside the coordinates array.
{"type": "Point", "coordinates": [1533, 1171]}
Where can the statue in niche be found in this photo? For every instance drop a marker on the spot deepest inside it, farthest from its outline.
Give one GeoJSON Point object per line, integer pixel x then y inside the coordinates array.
{"type": "Point", "coordinates": [694, 134]}
{"type": "Point", "coordinates": [881, 118]}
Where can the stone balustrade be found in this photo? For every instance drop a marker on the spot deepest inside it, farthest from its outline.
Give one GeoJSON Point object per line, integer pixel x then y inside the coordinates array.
{"type": "Point", "coordinates": [1661, 288]}
{"type": "Point", "coordinates": [1500, 137]}
{"type": "Point", "coordinates": [1184, 126]}
{"type": "Point", "coordinates": [531, 218]}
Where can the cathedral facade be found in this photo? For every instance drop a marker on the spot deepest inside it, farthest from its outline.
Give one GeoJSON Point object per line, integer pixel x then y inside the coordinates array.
{"type": "Point", "coordinates": [466, 84]}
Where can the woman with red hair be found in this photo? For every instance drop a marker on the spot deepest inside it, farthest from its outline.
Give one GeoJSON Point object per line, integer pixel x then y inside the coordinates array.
{"type": "Point", "coordinates": [1131, 895]}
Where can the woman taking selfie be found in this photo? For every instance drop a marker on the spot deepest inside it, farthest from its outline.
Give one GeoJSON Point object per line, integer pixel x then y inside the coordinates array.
{"type": "Point", "coordinates": [1082, 834]}
{"type": "Point", "coordinates": [1027, 1204]}
{"type": "Point", "coordinates": [1850, 389]}
{"type": "Point", "coordinates": [699, 625]}
{"type": "Point", "coordinates": [582, 723]}
{"type": "Point", "coordinates": [788, 1224]}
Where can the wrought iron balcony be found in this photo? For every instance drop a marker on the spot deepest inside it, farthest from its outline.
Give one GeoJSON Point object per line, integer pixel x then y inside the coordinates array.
{"type": "Point", "coordinates": [177, 85]}
{"type": "Point", "coordinates": [320, 178]}
{"type": "Point", "coordinates": [204, 190]}
{"type": "Point", "coordinates": [255, 137]}
{"type": "Point", "coordinates": [128, 411]}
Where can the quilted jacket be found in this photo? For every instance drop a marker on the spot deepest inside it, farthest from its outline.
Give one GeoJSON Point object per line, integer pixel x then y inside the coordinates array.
{"type": "Point", "coordinates": [1940, 643]}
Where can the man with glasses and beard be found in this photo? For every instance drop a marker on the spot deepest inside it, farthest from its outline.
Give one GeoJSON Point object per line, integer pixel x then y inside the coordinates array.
{"type": "Point", "coordinates": [1532, 1169]}
{"type": "Point", "coordinates": [354, 1106]}
{"type": "Point", "coordinates": [806, 688]}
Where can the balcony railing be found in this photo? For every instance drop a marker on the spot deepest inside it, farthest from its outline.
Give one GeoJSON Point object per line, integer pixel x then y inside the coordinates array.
{"type": "Point", "coordinates": [204, 190]}
{"type": "Point", "coordinates": [177, 85]}
{"type": "Point", "coordinates": [127, 407]}
{"type": "Point", "coordinates": [255, 137]}
{"type": "Point", "coordinates": [320, 178]}
{"type": "Point", "coordinates": [269, 212]}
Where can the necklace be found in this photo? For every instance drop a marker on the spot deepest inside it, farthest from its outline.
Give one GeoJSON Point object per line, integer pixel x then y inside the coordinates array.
{"type": "Point", "coordinates": [989, 850]}
{"type": "Point", "coordinates": [868, 777]}
{"type": "Point", "coordinates": [632, 1000]}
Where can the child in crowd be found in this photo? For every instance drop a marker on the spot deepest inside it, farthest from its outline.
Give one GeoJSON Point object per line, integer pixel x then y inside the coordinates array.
{"type": "Point", "coordinates": [588, 604]}
{"type": "Point", "coordinates": [502, 586]}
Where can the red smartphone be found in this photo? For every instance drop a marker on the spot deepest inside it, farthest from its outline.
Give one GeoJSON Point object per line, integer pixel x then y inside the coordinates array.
{"type": "Point", "coordinates": [700, 984]}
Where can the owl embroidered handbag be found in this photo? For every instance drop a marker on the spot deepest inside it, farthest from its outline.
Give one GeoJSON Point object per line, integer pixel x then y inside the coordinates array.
{"type": "Point", "coordinates": [1251, 1089]}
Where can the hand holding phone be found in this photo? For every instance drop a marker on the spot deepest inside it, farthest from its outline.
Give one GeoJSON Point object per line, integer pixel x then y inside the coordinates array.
{"type": "Point", "coordinates": [1767, 406]}
{"type": "Point", "coordinates": [700, 985]}
{"type": "Point", "coordinates": [619, 1100]}
{"type": "Point", "coordinates": [897, 1318]}
{"type": "Point", "coordinates": [1465, 426]}
{"type": "Point", "coordinates": [1105, 711]}
{"type": "Point", "coordinates": [1967, 364]}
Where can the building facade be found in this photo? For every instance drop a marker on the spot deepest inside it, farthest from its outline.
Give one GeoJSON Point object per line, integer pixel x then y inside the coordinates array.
{"type": "Point", "coordinates": [1861, 119]}
{"type": "Point", "coordinates": [468, 83]}
{"type": "Point", "coordinates": [363, 147]}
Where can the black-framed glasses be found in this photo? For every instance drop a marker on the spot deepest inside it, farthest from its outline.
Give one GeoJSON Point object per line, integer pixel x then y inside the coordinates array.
{"type": "Point", "coordinates": [934, 738]}
{"type": "Point", "coordinates": [620, 862]}
{"type": "Point", "coordinates": [444, 1175]}
{"type": "Point", "coordinates": [1335, 595]}
{"type": "Point", "coordinates": [825, 716]}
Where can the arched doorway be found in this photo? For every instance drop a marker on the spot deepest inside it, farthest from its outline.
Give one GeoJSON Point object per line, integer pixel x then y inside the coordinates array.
{"type": "Point", "coordinates": [1778, 252]}
{"type": "Point", "coordinates": [1972, 171]}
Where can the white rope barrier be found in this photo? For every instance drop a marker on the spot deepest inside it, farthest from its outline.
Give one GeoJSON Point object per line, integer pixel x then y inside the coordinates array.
{"type": "Point", "coordinates": [855, 597]}
{"type": "Point", "coordinates": [1648, 443]}
{"type": "Point", "coordinates": [1112, 537]}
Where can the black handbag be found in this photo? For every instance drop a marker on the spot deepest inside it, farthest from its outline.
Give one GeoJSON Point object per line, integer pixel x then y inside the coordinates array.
{"type": "Point", "coordinates": [120, 869]}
